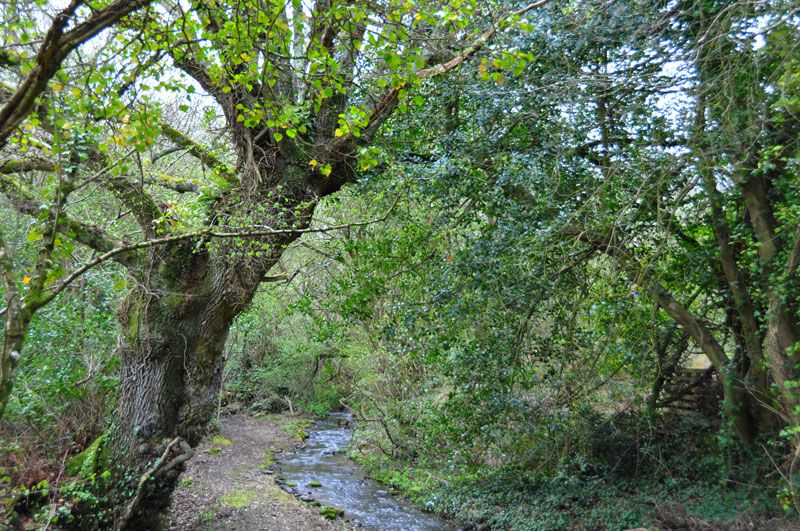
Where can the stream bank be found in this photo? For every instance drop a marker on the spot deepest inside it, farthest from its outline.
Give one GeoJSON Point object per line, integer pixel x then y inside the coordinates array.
{"type": "Point", "coordinates": [226, 487]}
{"type": "Point", "coordinates": [321, 473]}
{"type": "Point", "coordinates": [258, 474]}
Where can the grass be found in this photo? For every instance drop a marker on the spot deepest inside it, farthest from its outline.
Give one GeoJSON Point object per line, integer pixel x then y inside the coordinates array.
{"type": "Point", "coordinates": [267, 459]}
{"type": "Point", "coordinates": [219, 441]}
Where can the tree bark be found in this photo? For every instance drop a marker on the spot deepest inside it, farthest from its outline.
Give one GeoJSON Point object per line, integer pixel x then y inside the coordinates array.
{"type": "Point", "coordinates": [174, 325]}
{"type": "Point", "coordinates": [782, 334]}
{"type": "Point", "coordinates": [13, 340]}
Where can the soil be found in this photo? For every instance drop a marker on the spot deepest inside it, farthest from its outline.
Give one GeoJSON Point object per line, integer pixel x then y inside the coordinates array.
{"type": "Point", "coordinates": [227, 485]}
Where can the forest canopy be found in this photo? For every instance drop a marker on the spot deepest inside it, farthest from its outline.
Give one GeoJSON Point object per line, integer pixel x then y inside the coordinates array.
{"type": "Point", "coordinates": [545, 253]}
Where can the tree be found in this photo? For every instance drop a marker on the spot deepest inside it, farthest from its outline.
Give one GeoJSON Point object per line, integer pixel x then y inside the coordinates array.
{"type": "Point", "coordinates": [303, 92]}
{"type": "Point", "coordinates": [663, 156]}
{"type": "Point", "coordinates": [56, 44]}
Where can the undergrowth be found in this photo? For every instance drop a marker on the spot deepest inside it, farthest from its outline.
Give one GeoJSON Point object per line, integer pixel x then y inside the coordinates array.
{"type": "Point", "coordinates": [666, 487]}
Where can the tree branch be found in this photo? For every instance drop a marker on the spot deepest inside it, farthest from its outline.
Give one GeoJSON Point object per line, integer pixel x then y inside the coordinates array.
{"type": "Point", "coordinates": [132, 196]}
{"type": "Point", "coordinates": [9, 166]}
{"type": "Point", "coordinates": [205, 233]}
{"type": "Point", "coordinates": [55, 47]}
{"type": "Point", "coordinates": [644, 279]}
{"type": "Point", "coordinates": [143, 206]}
{"type": "Point", "coordinates": [182, 186]}
{"type": "Point", "coordinates": [199, 152]}
{"type": "Point", "coordinates": [91, 236]}
{"type": "Point", "coordinates": [387, 103]}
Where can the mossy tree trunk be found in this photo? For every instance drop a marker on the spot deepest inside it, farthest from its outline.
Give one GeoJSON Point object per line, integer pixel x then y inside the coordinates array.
{"type": "Point", "coordinates": [174, 325]}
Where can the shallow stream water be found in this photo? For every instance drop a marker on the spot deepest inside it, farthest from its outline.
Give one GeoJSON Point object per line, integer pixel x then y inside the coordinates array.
{"type": "Point", "coordinates": [344, 484]}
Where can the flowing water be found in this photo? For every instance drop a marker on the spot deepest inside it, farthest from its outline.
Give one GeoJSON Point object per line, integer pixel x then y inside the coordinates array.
{"type": "Point", "coordinates": [344, 484]}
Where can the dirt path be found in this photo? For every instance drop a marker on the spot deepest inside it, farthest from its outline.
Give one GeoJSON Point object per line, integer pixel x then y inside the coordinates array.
{"type": "Point", "coordinates": [226, 485]}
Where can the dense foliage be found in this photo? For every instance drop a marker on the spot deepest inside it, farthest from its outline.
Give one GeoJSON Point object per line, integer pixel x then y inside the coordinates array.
{"type": "Point", "coordinates": [552, 269]}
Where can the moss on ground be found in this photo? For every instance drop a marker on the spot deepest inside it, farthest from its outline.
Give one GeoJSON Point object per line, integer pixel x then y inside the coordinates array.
{"type": "Point", "coordinates": [220, 440]}
{"type": "Point", "coordinates": [239, 499]}
{"type": "Point", "coordinates": [85, 463]}
{"type": "Point", "coordinates": [297, 428]}
{"type": "Point", "coordinates": [330, 512]}
{"type": "Point", "coordinates": [267, 459]}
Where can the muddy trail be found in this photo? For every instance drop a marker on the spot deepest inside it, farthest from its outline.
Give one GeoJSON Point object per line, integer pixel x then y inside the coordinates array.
{"type": "Point", "coordinates": [257, 475]}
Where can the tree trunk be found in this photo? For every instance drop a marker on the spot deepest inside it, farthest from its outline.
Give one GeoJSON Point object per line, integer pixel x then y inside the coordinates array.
{"type": "Point", "coordinates": [174, 328]}
{"type": "Point", "coordinates": [782, 334]}
{"type": "Point", "coordinates": [13, 340]}
{"type": "Point", "coordinates": [18, 317]}
{"type": "Point", "coordinates": [745, 309]}
{"type": "Point", "coordinates": [736, 397]}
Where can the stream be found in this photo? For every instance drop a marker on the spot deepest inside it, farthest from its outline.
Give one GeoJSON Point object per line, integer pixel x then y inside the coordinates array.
{"type": "Point", "coordinates": [343, 483]}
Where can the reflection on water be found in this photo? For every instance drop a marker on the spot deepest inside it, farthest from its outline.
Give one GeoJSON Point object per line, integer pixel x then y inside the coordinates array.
{"type": "Point", "coordinates": [343, 483]}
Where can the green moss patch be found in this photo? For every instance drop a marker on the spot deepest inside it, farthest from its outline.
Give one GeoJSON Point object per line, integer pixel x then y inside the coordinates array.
{"type": "Point", "coordinates": [220, 440]}
{"type": "Point", "coordinates": [297, 428]}
{"type": "Point", "coordinates": [331, 512]}
{"type": "Point", "coordinates": [84, 463]}
{"type": "Point", "coordinates": [267, 459]}
{"type": "Point", "coordinates": [239, 499]}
